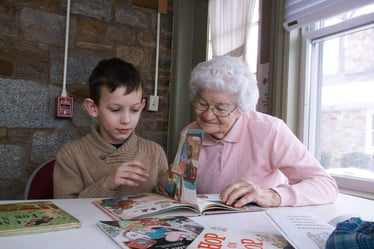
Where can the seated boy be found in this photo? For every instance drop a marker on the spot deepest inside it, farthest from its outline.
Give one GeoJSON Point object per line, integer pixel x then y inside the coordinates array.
{"type": "Point", "coordinates": [111, 160]}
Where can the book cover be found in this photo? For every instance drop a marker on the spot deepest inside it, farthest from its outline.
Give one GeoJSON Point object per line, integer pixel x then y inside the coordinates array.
{"type": "Point", "coordinates": [172, 232]}
{"type": "Point", "coordinates": [181, 185]}
{"type": "Point", "coordinates": [34, 217]}
{"type": "Point", "coordinates": [224, 237]}
{"type": "Point", "coordinates": [150, 204]}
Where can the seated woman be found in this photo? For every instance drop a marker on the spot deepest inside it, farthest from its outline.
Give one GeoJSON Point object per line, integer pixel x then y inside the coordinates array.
{"type": "Point", "coordinates": [248, 156]}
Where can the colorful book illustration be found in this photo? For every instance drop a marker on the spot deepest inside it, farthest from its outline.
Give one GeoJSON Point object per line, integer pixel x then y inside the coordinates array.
{"type": "Point", "coordinates": [172, 232]}
{"type": "Point", "coordinates": [150, 204]}
{"type": "Point", "coordinates": [34, 217]}
{"type": "Point", "coordinates": [182, 176]}
{"type": "Point", "coordinates": [224, 237]}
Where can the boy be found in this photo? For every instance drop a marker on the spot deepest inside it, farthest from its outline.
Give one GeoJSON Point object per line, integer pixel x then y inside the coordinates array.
{"type": "Point", "coordinates": [111, 160]}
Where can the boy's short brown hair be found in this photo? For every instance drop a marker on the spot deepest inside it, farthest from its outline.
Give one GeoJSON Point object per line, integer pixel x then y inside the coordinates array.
{"type": "Point", "coordinates": [113, 73]}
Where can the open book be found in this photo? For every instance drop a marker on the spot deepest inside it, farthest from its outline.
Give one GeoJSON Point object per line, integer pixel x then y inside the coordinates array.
{"type": "Point", "coordinates": [34, 217]}
{"type": "Point", "coordinates": [296, 229]}
{"type": "Point", "coordinates": [150, 204]}
{"type": "Point", "coordinates": [180, 192]}
{"type": "Point", "coordinates": [171, 232]}
{"type": "Point", "coordinates": [302, 229]}
{"type": "Point", "coordinates": [229, 237]}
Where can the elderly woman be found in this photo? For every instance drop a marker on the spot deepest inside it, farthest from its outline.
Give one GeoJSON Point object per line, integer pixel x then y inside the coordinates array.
{"type": "Point", "coordinates": [248, 156]}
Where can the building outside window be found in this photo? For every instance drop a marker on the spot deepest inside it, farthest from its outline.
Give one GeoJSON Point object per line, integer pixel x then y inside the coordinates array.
{"type": "Point", "coordinates": [339, 94]}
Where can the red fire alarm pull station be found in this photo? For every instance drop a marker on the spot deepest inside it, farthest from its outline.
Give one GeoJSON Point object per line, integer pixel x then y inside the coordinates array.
{"type": "Point", "coordinates": [64, 107]}
{"type": "Point", "coordinates": [64, 104]}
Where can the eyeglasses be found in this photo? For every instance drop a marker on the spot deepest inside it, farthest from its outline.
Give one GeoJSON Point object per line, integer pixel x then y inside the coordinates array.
{"type": "Point", "coordinates": [219, 110]}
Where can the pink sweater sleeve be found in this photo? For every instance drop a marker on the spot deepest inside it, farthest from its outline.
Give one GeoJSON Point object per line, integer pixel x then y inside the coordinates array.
{"type": "Point", "coordinates": [309, 183]}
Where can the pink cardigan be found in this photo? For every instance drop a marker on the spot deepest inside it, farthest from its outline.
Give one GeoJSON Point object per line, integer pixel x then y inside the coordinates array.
{"type": "Point", "coordinates": [261, 148]}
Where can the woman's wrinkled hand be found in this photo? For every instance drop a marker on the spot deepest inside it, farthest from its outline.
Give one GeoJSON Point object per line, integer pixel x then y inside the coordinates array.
{"type": "Point", "coordinates": [243, 192]}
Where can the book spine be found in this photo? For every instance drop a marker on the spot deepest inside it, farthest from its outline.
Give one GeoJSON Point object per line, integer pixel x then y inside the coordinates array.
{"type": "Point", "coordinates": [113, 217]}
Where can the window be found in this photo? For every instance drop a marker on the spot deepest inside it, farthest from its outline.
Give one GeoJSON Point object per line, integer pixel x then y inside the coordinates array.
{"type": "Point", "coordinates": [339, 96]}
{"type": "Point", "coordinates": [370, 133]}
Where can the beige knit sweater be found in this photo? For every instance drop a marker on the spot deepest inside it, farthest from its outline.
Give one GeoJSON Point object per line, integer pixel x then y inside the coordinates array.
{"type": "Point", "coordinates": [83, 166]}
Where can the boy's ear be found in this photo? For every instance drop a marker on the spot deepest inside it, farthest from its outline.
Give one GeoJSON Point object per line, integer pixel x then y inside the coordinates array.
{"type": "Point", "coordinates": [91, 107]}
{"type": "Point", "coordinates": [142, 104]}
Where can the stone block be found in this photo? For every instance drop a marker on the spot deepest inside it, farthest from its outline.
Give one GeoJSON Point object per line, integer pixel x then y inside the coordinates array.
{"type": "Point", "coordinates": [6, 190]}
{"type": "Point", "coordinates": [6, 67]}
{"type": "Point", "coordinates": [79, 67]}
{"type": "Point", "coordinates": [41, 26]}
{"type": "Point", "coordinates": [121, 35]}
{"type": "Point", "coordinates": [100, 9]}
{"type": "Point", "coordinates": [3, 132]}
{"type": "Point", "coordinates": [139, 56]}
{"type": "Point", "coordinates": [136, 17]}
{"type": "Point", "coordinates": [45, 144]}
{"type": "Point", "coordinates": [11, 163]}
{"type": "Point", "coordinates": [27, 104]}
{"type": "Point", "coordinates": [32, 70]}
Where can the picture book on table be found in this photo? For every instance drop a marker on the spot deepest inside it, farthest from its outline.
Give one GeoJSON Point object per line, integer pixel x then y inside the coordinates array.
{"type": "Point", "coordinates": [151, 204]}
{"type": "Point", "coordinates": [224, 237]}
{"type": "Point", "coordinates": [34, 217]}
{"type": "Point", "coordinates": [168, 232]}
{"type": "Point", "coordinates": [180, 192]}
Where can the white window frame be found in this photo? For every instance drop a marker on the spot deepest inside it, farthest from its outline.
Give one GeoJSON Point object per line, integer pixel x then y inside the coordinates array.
{"type": "Point", "coordinates": [309, 115]}
{"type": "Point", "coordinates": [369, 146]}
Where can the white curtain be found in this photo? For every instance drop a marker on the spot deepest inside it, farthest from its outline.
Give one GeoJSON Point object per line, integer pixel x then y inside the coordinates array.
{"type": "Point", "coordinates": [230, 22]}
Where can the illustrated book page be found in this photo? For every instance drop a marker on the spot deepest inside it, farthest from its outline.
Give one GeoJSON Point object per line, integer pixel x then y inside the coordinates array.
{"type": "Point", "coordinates": [33, 217]}
{"type": "Point", "coordinates": [228, 237]}
{"type": "Point", "coordinates": [181, 185]}
{"type": "Point", "coordinates": [151, 204]}
{"type": "Point", "coordinates": [141, 205]}
{"type": "Point", "coordinates": [212, 204]}
{"type": "Point", "coordinates": [303, 230]}
{"type": "Point", "coordinates": [172, 232]}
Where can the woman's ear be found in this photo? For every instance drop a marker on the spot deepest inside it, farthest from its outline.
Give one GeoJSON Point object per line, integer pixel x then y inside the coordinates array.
{"type": "Point", "coordinates": [91, 107]}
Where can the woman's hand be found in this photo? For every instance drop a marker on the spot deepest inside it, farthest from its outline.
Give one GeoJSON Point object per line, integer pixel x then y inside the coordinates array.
{"type": "Point", "coordinates": [128, 173]}
{"type": "Point", "coordinates": [243, 192]}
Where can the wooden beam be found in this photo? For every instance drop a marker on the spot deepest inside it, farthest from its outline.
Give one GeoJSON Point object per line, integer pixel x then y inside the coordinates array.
{"type": "Point", "coordinates": [160, 6]}
{"type": "Point", "coordinates": [149, 4]}
{"type": "Point", "coordinates": [163, 6]}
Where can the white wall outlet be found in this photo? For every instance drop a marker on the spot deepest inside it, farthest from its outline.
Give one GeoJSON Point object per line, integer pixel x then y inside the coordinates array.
{"type": "Point", "coordinates": [152, 103]}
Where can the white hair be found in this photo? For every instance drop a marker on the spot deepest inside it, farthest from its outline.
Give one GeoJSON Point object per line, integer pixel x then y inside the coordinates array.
{"type": "Point", "coordinates": [227, 74]}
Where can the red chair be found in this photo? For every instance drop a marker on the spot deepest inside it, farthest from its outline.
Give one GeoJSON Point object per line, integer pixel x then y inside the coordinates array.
{"type": "Point", "coordinates": [40, 183]}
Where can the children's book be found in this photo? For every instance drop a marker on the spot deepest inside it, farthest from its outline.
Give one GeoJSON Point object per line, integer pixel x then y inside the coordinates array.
{"type": "Point", "coordinates": [34, 217]}
{"type": "Point", "coordinates": [180, 192]}
{"type": "Point", "coordinates": [181, 185]}
{"type": "Point", "coordinates": [303, 229]}
{"type": "Point", "coordinates": [150, 204]}
{"type": "Point", "coordinates": [172, 232]}
{"type": "Point", "coordinates": [224, 237]}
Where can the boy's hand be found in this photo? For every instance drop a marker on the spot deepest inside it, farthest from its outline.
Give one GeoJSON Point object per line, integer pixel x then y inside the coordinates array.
{"type": "Point", "coordinates": [130, 174]}
{"type": "Point", "coordinates": [243, 192]}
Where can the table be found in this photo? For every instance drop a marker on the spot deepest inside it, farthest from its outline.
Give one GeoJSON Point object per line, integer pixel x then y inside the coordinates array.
{"type": "Point", "coordinates": [89, 236]}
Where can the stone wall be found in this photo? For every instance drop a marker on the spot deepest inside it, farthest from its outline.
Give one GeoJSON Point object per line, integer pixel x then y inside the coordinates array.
{"type": "Point", "coordinates": [32, 43]}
